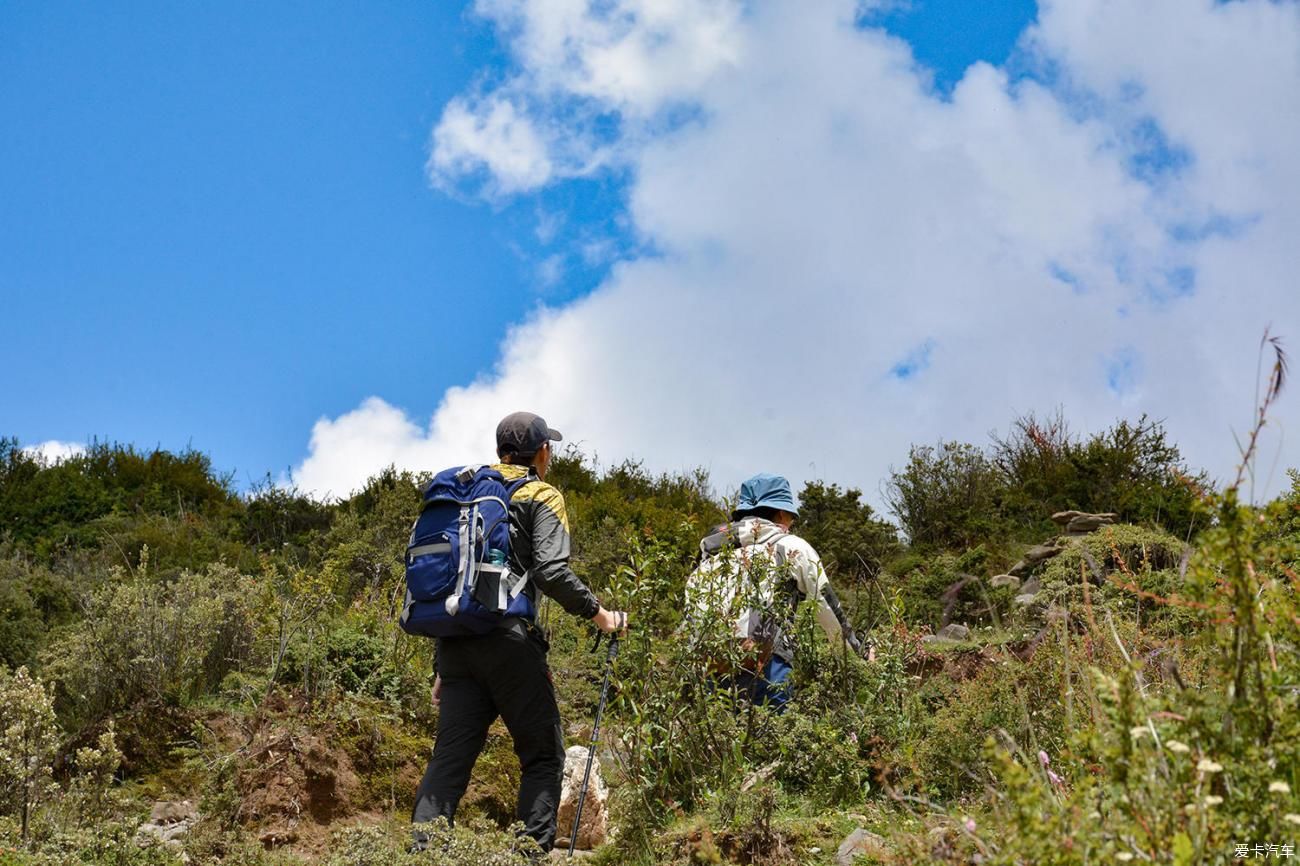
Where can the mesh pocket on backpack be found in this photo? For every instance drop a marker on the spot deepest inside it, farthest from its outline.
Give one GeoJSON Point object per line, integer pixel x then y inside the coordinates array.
{"type": "Point", "coordinates": [431, 567]}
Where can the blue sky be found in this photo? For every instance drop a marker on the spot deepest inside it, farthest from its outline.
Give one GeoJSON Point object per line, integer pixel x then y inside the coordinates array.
{"type": "Point", "coordinates": [216, 225]}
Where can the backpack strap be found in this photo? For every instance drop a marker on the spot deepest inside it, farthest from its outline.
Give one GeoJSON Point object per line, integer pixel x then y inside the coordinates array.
{"type": "Point", "coordinates": [513, 487]}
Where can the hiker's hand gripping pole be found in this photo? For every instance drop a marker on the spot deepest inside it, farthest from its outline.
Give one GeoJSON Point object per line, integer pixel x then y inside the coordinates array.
{"type": "Point", "coordinates": [595, 733]}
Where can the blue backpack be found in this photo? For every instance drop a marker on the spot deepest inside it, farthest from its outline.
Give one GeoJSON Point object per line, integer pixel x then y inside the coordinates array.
{"type": "Point", "coordinates": [458, 579]}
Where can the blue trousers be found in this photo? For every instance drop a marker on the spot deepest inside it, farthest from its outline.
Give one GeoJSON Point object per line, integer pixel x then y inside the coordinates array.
{"type": "Point", "coordinates": [771, 688]}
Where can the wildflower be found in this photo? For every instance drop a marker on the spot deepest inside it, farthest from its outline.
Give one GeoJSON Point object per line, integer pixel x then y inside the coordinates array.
{"type": "Point", "coordinates": [1124, 856]}
{"type": "Point", "coordinates": [1213, 800]}
{"type": "Point", "coordinates": [969, 824]}
{"type": "Point", "coordinates": [1292, 817]}
{"type": "Point", "coordinates": [1176, 746]}
{"type": "Point", "coordinates": [1208, 766]}
{"type": "Point", "coordinates": [1043, 759]}
{"type": "Point", "coordinates": [1279, 788]}
{"type": "Point", "coordinates": [1138, 732]}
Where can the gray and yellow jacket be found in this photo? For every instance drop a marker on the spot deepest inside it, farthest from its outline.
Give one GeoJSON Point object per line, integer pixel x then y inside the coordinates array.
{"type": "Point", "coordinates": [540, 545]}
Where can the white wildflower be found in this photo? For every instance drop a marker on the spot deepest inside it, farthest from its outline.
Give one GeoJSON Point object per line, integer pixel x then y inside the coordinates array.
{"type": "Point", "coordinates": [1213, 800]}
{"type": "Point", "coordinates": [1176, 746]}
{"type": "Point", "coordinates": [1279, 788]}
{"type": "Point", "coordinates": [1124, 856]}
{"type": "Point", "coordinates": [1208, 766]}
{"type": "Point", "coordinates": [1292, 817]}
{"type": "Point", "coordinates": [1138, 732]}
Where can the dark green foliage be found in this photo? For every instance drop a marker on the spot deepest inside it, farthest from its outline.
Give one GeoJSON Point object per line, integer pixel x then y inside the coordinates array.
{"type": "Point", "coordinates": [1131, 469]}
{"type": "Point", "coordinates": [611, 510]}
{"type": "Point", "coordinates": [854, 544]}
{"type": "Point", "coordinates": [50, 507]}
{"type": "Point", "coordinates": [363, 551]}
{"type": "Point", "coordinates": [33, 599]}
{"type": "Point", "coordinates": [947, 496]}
{"type": "Point", "coordinates": [277, 518]}
{"type": "Point", "coordinates": [940, 588]}
{"type": "Point", "coordinates": [955, 495]}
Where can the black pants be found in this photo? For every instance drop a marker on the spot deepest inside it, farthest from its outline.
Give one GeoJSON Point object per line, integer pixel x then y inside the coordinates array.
{"type": "Point", "coordinates": [499, 674]}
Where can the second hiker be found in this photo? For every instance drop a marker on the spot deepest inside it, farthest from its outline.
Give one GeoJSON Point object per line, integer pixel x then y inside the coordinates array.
{"type": "Point", "coordinates": [755, 571]}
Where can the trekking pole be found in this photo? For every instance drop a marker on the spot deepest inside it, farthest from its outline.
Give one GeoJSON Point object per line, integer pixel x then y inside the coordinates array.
{"type": "Point", "coordinates": [595, 735]}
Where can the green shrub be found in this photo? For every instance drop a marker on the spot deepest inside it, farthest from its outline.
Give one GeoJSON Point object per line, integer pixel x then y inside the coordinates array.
{"type": "Point", "coordinates": [142, 639]}
{"type": "Point", "coordinates": [29, 740]}
{"type": "Point", "coordinates": [947, 496]}
{"type": "Point", "coordinates": [33, 599]}
{"type": "Point", "coordinates": [1023, 699]}
{"type": "Point", "coordinates": [1129, 569]}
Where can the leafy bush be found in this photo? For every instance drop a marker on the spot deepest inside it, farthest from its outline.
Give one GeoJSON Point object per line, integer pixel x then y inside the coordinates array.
{"type": "Point", "coordinates": [29, 739]}
{"type": "Point", "coordinates": [1018, 699]}
{"type": "Point", "coordinates": [33, 599]}
{"type": "Point", "coordinates": [947, 496]}
{"type": "Point", "coordinates": [1131, 469]}
{"type": "Point", "coordinates": [853, 543]}
{"type": "Point", "coordinates": [1127, 568]}
{"type": "Point", "coordinates": [46, 507]}
{"type": "Point", "coordinates": [142, 639]}
{"type": "Point", "coordinates": [956, 495]}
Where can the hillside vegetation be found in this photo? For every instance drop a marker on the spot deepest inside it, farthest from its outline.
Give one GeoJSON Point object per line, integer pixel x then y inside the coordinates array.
{"type": "Point", "coordinates": [1123, 694]}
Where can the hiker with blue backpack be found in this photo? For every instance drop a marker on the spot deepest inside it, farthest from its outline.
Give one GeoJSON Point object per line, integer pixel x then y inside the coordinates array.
{"type": "Point", "coordinates": [488, 540]}
{"type": "Point", "coordinates": [754, 572]}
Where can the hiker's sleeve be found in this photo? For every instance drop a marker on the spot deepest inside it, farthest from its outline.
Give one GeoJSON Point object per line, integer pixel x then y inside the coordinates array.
{"type": "Point", "coordinates": [551, 572]}
{"type": "Point", "coordinates": [813, 583]}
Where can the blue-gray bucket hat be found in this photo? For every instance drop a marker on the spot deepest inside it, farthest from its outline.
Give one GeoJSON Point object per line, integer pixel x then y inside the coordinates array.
{"type": "Point", "coordinates": [766, 491]}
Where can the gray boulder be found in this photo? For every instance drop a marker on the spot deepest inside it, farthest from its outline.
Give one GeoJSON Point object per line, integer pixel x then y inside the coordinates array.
{"type": "Point", "coordinates": [1041, 553]}
{"type": "Point", "coordinates": [860, 843]}
{"type": "Point", "coordinates": [953, 631]}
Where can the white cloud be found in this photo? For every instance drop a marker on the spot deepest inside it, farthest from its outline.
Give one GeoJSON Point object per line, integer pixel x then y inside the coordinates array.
{"type": "Point", "coordinates": [490, 135]}
{"type": "Point", "coordinates": [825, 214]}
{"type": "Point", "coordinates": [54, 451]}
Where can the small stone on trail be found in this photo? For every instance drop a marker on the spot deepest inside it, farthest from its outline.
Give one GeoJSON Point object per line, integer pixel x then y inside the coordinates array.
{"type": "Point", "coordinates": [953, 631]}
{"type": "Point", "coordinates": [168, 823]}
{"type": "Point", "coordinates": [861, 841]}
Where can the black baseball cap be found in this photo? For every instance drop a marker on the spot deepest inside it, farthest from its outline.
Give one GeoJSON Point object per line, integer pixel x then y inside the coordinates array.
{"type": "Point", "coordinates": [524, 433]}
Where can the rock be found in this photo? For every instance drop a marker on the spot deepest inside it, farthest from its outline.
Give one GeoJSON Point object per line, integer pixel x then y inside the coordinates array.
{"type": "Point", "coordinates": [1041, 553]}
{"type": "Point", "coordinates": [1081, 522]}
{"type": "Point", "coordinates": [859, 843]}
{"type": "Point", "coordinates": [169, 835]}
{"type": "Point", "coordinates": [1028, 592]}
{"type": "Point", "coordinates": [1086, 523]}
{"type": "Point", "coordinates": [169, 812]}
{"type": "Point", "coordinates": [1063, 518]}
{"type": "Point", "coordinates": [953, 631]}
{"type": "Point", "coordinates": [594, 829]}
{"type": "Point", "coordinates": [1005, 580]}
